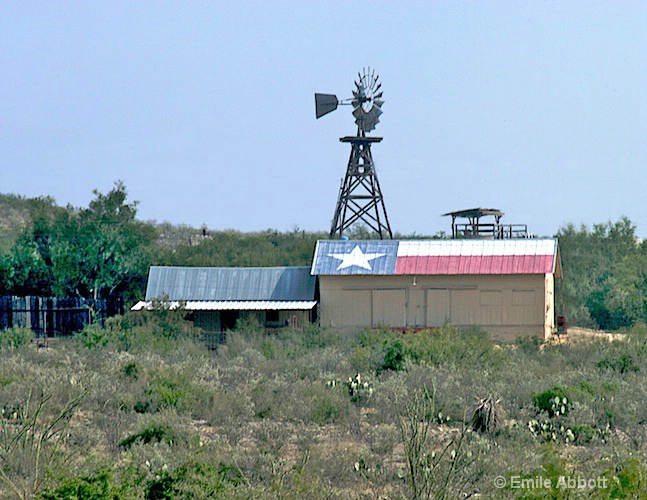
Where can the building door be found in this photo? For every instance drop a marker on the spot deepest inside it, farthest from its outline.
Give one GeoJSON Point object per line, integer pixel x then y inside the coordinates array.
{"type": "Point", "coordinates": [463, 307]}
{"type": "Point", "coordinates": [390, 307]}
{"type": "Point", "coordinates": [437, 307]}
{"type": "Point", "coordinates": [348, 308]}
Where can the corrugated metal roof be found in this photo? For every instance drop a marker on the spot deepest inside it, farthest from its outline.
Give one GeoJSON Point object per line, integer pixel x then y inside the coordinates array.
{"type": "Point", "coordinates": [233, 305]}
{"type": "Point", "coordinates": [355, 257]}
{"type": "Point", "coordinates": [436, 257]}
{"type": "Point", "coordinates": [230, 283]}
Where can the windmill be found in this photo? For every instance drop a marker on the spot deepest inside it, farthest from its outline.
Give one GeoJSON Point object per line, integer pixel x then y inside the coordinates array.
{"type": "Point", "coordinates": [360, 197]}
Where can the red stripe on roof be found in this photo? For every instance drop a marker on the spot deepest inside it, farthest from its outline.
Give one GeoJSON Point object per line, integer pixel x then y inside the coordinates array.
{"type": "Point", "coordinates": [494, 264]}
{"type": "Point", "coordinates": [497, 265]}
{"type": "Point", "coordinates": [475, 264]}
{"type": "Point", "coordinates": [406, 266]}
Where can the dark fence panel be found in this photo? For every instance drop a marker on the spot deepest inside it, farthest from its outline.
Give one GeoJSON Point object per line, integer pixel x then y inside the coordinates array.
{"type": "Point", "coordinates": [49, 316]}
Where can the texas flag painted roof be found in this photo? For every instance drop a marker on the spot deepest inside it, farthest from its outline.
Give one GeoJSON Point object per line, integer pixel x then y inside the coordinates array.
{"type": "Point", "coordinates": [436, 257]}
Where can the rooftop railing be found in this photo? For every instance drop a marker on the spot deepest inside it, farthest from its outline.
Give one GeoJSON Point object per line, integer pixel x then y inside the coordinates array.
{"type": "Point", "coordinates": [490, 231]}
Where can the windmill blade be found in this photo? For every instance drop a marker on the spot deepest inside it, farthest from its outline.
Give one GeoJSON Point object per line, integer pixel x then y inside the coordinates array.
{"type": "Point", "coordinates": [366, 121]}
{"type": "Point", "coordinates": [325, 103]}
{"type": "Point", "coordinates": [371, 119]}
{"type": "Point", "coordinates": [374, 116]}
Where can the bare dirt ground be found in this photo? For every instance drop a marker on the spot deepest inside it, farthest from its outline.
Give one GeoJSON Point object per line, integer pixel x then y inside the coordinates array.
{"type": "Point", "coordinates": [577, 334]}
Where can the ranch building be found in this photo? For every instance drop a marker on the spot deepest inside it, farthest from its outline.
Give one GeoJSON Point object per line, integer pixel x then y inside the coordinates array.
{"type": "Point", "coordinates": [217, 297]}
{"type": "Point", "coordinates": [505, 286]}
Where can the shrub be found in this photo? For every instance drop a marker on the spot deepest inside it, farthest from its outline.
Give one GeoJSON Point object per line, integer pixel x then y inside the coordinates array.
{"type": "Point", "coordinates": [98, 485]}
{"type": "Point", "coordinates": [15, 337]}
{"type": "Point", "coordinates": [528, 345]}
{"type": "Point", "coordinates": [628, 479]}
{"type": "Point", "coordinates": [316, 337]}
{"type": "Point", "coordinates": [250, 325]}
{"type": "Point", "coordinates": [218, 406]}
{"type": "Point", "coordinates": [394, 357]}
{"type": "Point", "coordinates": [552, 401]}
{"type": "Point", "coordinates": [192, 480]}
{"type": "Point", "coordinates": [619, 364]}
{"type": "Point", "coordinates": [156, 433]}
{"type": "Point", "coordinates": [168, 388]}
{"type": "Point", "coordinates": [583, 433]}
{"type": "Point", "coordinates": [552, 467]}
{"type": "Point", "coordinates": [325, 409]}
{"type": "Point", "coordinates": [94, 336]}
{"type": "Point", "coordinates": [131, 370]}
{"type": "Point", "coordinates": [158, 330]}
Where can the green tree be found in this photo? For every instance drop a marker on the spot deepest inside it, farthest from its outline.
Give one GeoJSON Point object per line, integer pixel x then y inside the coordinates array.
{"type": "Point", "coordinates": [26, 271]}
{"type": "Point", "coordinates": [103, 250]}
{"type": "Point", "coordinates": [95, 252]}
{"type": "Point", "coordinates": [627, 290]}
{"type": "Point", "coordinates": [593, 263]}
{"type": "Point", "coordinates": [5, 269]}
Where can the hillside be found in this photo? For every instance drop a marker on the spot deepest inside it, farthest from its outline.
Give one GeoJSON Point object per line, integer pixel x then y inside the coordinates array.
{"type": "Point", "coordinates": [17, 215]}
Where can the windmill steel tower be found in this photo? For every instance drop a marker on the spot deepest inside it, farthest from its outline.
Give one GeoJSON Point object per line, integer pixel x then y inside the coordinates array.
{"type": "Point", "coordinates": [360, 197]}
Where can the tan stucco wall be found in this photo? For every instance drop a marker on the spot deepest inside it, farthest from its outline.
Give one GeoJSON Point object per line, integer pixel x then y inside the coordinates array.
{"type": "Point", "coordinates": [506, 306]}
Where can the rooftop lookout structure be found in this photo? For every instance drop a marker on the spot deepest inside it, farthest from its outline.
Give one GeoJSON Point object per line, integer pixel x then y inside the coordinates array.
{"type": "Point", "coordinates": [469, 225]}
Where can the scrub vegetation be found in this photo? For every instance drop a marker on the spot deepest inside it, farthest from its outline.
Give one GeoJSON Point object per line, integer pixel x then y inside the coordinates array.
{"type": "Point", "coordinates": [141, 409]}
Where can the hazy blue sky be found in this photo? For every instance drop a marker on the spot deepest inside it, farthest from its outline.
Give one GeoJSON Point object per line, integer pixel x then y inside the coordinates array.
{"type": "Point", "coordinates": [205, 109]}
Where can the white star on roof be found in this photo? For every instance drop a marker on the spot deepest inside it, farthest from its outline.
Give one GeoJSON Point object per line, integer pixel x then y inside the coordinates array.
{"type": "Point", "coordinates": [355, 258]}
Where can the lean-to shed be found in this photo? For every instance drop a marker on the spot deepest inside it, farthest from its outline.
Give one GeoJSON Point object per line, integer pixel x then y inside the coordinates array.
{"type": "Point", "coordinates": [504, 286]}
{"type": "Point", "coordinates": [219, 296]}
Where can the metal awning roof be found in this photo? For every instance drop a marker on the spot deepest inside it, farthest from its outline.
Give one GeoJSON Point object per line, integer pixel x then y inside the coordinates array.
{"type": "Point", "coordinates": [230, 283]}
{"type": "Point", "coordinates": [231, 305]}
{"type": "Point", "coordinates": [476, 212]}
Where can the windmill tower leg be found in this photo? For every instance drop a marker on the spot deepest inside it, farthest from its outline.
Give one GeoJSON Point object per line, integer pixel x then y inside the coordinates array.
{"type": "Point", "coordinates": [360, 197]}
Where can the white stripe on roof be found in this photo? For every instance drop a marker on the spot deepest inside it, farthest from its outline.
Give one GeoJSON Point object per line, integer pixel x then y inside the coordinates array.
{"type": "Point", "coordinates": [446, 248]}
